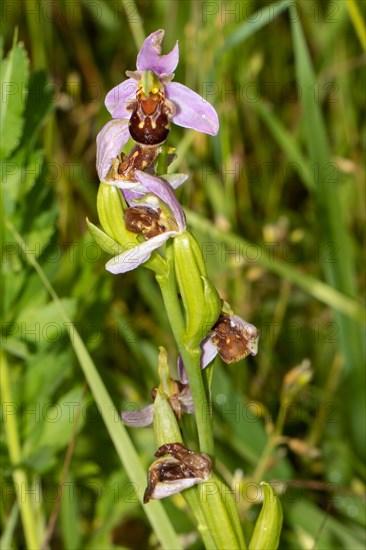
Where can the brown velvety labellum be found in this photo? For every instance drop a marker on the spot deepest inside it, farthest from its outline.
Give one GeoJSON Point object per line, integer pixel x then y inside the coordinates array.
{"type": "Point", "coordinates": [231, 341]}
{"type": "Point", "coordinates": [144, 221]}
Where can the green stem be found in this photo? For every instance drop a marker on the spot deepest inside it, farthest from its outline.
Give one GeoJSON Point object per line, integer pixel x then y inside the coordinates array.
{"type": "Point", "coordinates": [191, 357]}
{"type": "Point", "coordinates": [19, 476]}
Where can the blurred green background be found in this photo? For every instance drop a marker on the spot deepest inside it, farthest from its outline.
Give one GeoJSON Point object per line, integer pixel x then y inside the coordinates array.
{"type": "Point", "coordinates": [276, 201]}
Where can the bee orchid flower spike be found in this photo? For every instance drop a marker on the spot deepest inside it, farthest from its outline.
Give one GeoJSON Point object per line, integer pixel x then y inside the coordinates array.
{"type": "Point", "coordinates": [144, 105]}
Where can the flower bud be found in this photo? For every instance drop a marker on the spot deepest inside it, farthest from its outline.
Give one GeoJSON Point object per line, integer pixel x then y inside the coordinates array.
{"type": "Point", "coordinates": [267, 529]}
{"type": "Point", "coordinates": [201, 301]}
{"type": "Point", "coordinates": [111, 206]}
{"type": "Point", "coordinates": [296, 379]}
{"type": "Point", "coordinates": [220, 514]}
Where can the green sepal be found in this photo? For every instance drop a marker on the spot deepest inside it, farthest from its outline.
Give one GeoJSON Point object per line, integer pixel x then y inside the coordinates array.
{"type": "Point", "coordinates": [111, 207]}
{"type": "Point", "coordinates": [201, 301]}
{"type": "Point", "coordinates": [198, 255]}
{"type": "Point", "coordinates": [213, 306]}
{"type": "Point", "coordinates": [166, 429]}
{"type": "Point", "coordinates": [268, 527]}
{"type": "Point", "coordinates": [105, 242]}
{"type": "Point", "coordinates": [189, 277]}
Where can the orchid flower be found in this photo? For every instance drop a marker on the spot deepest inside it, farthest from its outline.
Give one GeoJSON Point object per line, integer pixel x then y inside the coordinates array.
{"type": "Point", "coordinates": [180, 400]}
{"type": "Point", "coordinates": [155, 214]}
{"type": "Point", "coordinates": [172, 474]}
{"type": "Point", "coordinates": [231, 337]}
{"type": "Point", "coordinates": [143, 106]}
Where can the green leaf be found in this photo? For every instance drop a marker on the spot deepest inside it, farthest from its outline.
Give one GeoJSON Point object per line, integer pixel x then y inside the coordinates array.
{"type": "Point", "coordinates": [59, 422]}
{"type": "Point", "coordinates": [268, 527]}
{"type": "Point", "coordinates": [13, 82]}
{"type": "Point", "coordinates": [42, 325]}
{"type": "Point", "coordinates": [38, 105]}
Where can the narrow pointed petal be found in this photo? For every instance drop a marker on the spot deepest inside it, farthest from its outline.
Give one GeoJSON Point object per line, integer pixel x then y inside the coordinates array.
{"type": "Point", "coordinates": [192, 110]}
{"type": "Point", "coordinates": [133, 257]}
{"type": "Point", "coordinates": [135, 190]}
{"type": "Point", "coordinates": [139, 419]}
{"type": "Point", "coordinates": [209, 352]}
{"type": "Point", "coordinates": [175, 180]}
{"type": "Point", "coordinates": [182, 373]}
{"type": "Point", "coordinates": [164, 192]}
{"type": "Point", "coordinates": [149, 57]}
{"type": "Point", "coordinates": [131, 189]}
{"type": "Point", "coordinates": [110, 141]}
{"type": "Point", "coordinates": [119, 97]}
{"type": "Point", "coordinates": [186, 400]}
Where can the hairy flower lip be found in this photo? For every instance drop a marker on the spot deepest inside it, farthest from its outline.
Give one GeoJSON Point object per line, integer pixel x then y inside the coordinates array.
{"type": "Point", "coordinates": [133, 257]}
{"type": "Point", "coordinates": [172, 474]}
{"type": "Point", "coordinates": [192, 110]}
{"type": "Point", "coordinates": [210, 350]}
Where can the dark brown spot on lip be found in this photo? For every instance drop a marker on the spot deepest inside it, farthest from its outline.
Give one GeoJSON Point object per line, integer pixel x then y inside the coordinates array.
{"type": "Point", "coordinates": [150, 118]}
{"type": "Point", "coordinates": [140, 158]}
{"type": "Point", "coordinates": [232, 341]}
{"type": "Point", "coordinates": [182, 464]}
{"type": "Point", "coordinates": [144, 221]}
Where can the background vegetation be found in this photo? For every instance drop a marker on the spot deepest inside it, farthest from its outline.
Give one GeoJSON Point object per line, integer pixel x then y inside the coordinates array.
{"type": "Point", "coordinates": [276, 201]}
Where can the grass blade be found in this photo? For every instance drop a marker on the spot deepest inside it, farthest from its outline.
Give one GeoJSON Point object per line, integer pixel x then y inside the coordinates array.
{"type": "Point", "coordinates": [317, 289]}
{"type": "Point", "coordinates": [131, 462]}
{"type": "Point", "coordinates": [250, 26]}
{"type": "Point", "coordinates": [332, 229]}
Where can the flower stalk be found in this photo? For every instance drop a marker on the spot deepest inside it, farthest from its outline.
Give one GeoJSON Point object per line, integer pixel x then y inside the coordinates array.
{"type": "Point", "coordinates": [143, 223]}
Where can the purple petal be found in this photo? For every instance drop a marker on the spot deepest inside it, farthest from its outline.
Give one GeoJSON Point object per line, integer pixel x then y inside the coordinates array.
{"type": "Point", "coordinates": [192, 110]}
{"type": "Point", "coordinates": [137, 255]}
{"type": "Point", "coordinates": [186, 399]}
{"type": "Point", "coordinates": [209, 352]}
{"type": "Point", "coordinates": [182, 373]}
{"type": "Point", "coordinates": [139, 419]}
{"type": "Point", "coordinates": [135, 190]}
{"type": "Point", "coordinates": [175, 180]}
{"type": "Point", "coordinates": [163, 191]}
{"type": "Point", "coordinates": [149, 57]}
{"type": "Point", "coordinates": [119, 97]}
{"type": "Point", "coordinates": [110, 141]}
{"type": "Point", "coordinates": [131, 189]}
